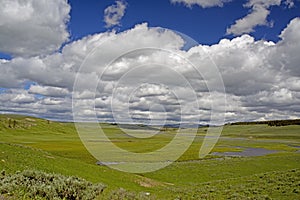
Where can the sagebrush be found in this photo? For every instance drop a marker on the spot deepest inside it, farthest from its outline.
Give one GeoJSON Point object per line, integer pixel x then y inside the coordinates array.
{"type": "Point", "coordinates": [40, 185]}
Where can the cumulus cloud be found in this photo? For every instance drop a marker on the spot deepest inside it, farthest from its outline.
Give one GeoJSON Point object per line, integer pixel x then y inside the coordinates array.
{"type": "Point", "coordinates": [202, 3]}
{"type": "Point", "coordinates": [257, 16]}
{"type": "Point", "coordinates": [151, 81]}
{"type": "Point", "coordinates": [249, 70]}
{"type": "Point", "coordinates": [285, 56]}
{"type": "Point", "coordinates": [33, 27]}
{"type": "Point", "coordinates": [48, 91]}
{"type": "Point", "coordinates": [23, 98]}
{"type": "Point", "coordinates": [114, 13]}
{"type": "Point", "coordinates": [20, 101]}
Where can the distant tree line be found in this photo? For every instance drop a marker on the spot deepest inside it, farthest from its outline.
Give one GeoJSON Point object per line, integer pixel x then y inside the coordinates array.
{"type": "Point", "coordinates": [271, 122]}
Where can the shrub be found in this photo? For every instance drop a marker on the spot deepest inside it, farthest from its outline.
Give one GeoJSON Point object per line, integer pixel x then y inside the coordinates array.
{"type": "Point", "coordinates": [40, 185]}
{"type": "Point", "coordinates": [122, 194]}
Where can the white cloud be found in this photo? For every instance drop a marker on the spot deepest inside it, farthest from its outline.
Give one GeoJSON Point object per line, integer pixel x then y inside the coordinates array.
{"type": "Point", "coordinates": [256, 89]}
{"type": "Point", "coordinates": [261, 78]}
{"type": "Point", "coordinates": [19, 101]}
{"type": "Point", "coordinates": [257, 16]}
{"type": "Point", "coordinates": [291, 33]}
{"type": "Point", "coordinates": [289, 3]}
{"type": "Point", "coordinates": [286, 56]}
{"type": "Point", "coordinates": [202, 3]}
{"type": "Point", "coordinates": [114, 13]}
{"type": "Point", "coordinates": [44, 71]}
{"type": "Point", "coordinates": [23, 98]}
{"type": "Point", "coordinates": [33, 27]}
{"type": "Point", "coordinates": [48, 91]}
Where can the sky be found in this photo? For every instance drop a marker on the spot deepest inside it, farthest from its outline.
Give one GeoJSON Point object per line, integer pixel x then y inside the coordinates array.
{"type": "Point", "coordinates": [151, 61]}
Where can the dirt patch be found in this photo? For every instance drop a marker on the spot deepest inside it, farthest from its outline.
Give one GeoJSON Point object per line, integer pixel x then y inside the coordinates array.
{"type": "Point", "coordinates": [149, 183]}
{"type": "Point", "coordinates": [51, 157]}
{"type": "Point", "coordinates": [30, 119]}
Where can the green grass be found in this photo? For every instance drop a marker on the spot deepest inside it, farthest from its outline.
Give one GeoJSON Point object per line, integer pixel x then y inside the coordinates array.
{"type": "Point", "coordinates": [270, 185]}
{"type": "Point", "coordinates": [55, 147]}
{"type": "Point", "coordinates": [219, 169]}
{"type": "Point", "coordinates": [18, 158]}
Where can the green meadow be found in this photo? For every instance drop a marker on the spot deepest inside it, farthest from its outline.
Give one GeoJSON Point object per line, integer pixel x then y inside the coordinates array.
{"type": "Point", "coordinates": [29, 143]}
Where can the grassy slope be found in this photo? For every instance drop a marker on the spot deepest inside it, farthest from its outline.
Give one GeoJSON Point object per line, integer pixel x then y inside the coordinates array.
{"type": "Point", "coordinates": [55, 147]}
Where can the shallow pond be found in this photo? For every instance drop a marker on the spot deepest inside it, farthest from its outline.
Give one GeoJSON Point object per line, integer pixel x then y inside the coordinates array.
{"type": "Point", "coordinates": [247, 152]}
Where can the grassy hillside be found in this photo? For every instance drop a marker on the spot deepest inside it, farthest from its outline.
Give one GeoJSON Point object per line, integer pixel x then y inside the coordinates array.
{"type": "Point", "coordinates": [29, 143]}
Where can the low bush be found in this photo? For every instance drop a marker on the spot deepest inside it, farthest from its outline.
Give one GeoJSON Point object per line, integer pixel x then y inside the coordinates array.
{"type": "Point", "coordinates": [40, 185]}
{"type": "Point", "coordinates": [122, 194]}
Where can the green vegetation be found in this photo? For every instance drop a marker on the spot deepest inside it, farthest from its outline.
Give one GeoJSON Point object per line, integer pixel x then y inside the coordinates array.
{"type": "Point", "coordinates": [271, 185]}
{"type": "Point", "coordinates": [40, 185]}
{"type": "Point", "coordinates": [47, 147]}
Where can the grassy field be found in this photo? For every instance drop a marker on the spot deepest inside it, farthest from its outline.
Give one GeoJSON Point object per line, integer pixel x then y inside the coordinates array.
{"type": "Point", "coordinates": [29, 143]}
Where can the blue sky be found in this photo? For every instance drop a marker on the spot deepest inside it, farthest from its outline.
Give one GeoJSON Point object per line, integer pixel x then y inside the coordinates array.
{"type": "Point", "coordinates": [205, 25]}
{"type": "Point", "coordinates": [244, 50]}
